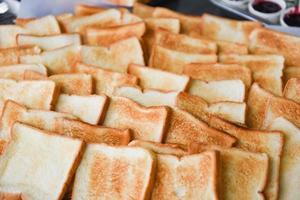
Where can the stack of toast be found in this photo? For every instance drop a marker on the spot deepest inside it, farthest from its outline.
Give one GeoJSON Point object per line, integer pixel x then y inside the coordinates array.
{"type": "Point", "coordinates": [153, 104]}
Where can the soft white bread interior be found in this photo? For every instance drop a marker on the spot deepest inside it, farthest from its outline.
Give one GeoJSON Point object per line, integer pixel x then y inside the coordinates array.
{"type": "Point", "coordinates": [17, 72]}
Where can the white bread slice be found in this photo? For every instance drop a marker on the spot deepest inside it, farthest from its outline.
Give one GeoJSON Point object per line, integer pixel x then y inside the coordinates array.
{"type": "Point", "coordinates": [168, 24]}
{"type": "Point", "coordinates": [174, 61]}
{"type": "Point", "coordinates": [292, 90]}
{"type": "Point", "coordinates": [113, 57]}
{"type": "Point", "coordinates": [34, 94]}
{"type": "Point", "coordinates": [267, 69]}
{"type": "Point", "coordinates": [150, 78]}
{"type": "Point", "coordinates": [17, 72]}
{"type": "Point", "coordinates": [8, 35]}
{"type": "Point", "coordinates": [189, 24]}
{"type": "Point", "coordinates": [146, 123]}
{"type": "Point", "coordinates": [147, 97]}
{"type": "Point", "coordinates": [60, 123]}
{"type": "Point", "coordinates": [188, 177]}
{"type": "Point", "coordinates": [159, 148]}
{"type": "Point", "coordinates": [108, 17]}
{"type": "Point", "coordinates": [215, 91]}
{"type": "Point", "coordinates": [289, 173]}
{"type": "Point", "coordinates": [89, 109]}
{"type": "Point", "coordinates": [114, 173]}
{"type": "Point", "coordinates": [110, 35]}
{"type": "Point", "coordinates": [57, 61]}
{"type": "Point", "coordinates": [268, 142]}
{"type": "Point", "coordinates": [219, 28]}
{"type": "Point", "coordinates": [49, 42]}
{"type": "Point", "coordinates": [184, 129]}
{"type": "Point", "coordinates": [264, 41]}
{"type": "Point", "coordinates": [106, 81]}
{"type": "Point", "coordinates": [291, 72]}
{"type": "Point", "coordinates": [218, 72]}
{"type": "Point", "coordinates": [47, 25]}
{"type": "Point", "coordinates": [38, 164]}
{"type": "Point", "coordinates": [264, 107]}
{"type": "Point", "coordinates": [184, 43]}
{"type": "Point", "coordinates": [243, 174]}
{"type": "Point", "coordinates": [10, 56]}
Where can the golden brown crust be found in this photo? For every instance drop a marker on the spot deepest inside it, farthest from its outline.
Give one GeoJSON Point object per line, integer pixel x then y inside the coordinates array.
{"type": "Point", "coordinates": [292, 90]}
{"type": "Point", "coordinates": [12, 55]}
{"type": "Point", "coordinates": [83, 9]}
{"type": "Point", "coordinates": [142, 10]}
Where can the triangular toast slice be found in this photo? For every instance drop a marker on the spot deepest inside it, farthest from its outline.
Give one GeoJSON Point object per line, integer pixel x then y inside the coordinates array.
{"type": "Point", "coordinates": [174, 61]}
{"type": "Point", "coordinates": [289, 168]}
{"type": "Point", "coordinates": [89, 109]}
{"type": "Point", "coordinates": [113, 57]}
{"type": "Point", "coordinates": [150, 78]}
{"type": "Point", "coordinates": [267, 70]}
{"type": "Point", "coordinates": [57, 158]}
{"type": "Point", "coordinates": [243, 175]}
{"type": "Point", "coordinates": [10, 56]}
{"type": "Point", "coordinates": [58, 60]}
{"type": "Point", "coordinates": [292, 90]}
{"type": "Point", "coordinates": [18, 71]}
{"type": "Point", "coordinates": [114, 173]}
{"type": "Point", "coordinates": [49, 42]}
{"type": "Point", "coordinates": [187, 177]}
{"type": "Point", "coordinates": [106, 81]}
{"type": "Point", "coordinates": [146, 123]}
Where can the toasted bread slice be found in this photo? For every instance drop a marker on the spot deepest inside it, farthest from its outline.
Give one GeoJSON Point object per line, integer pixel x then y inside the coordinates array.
{"type": "Point", "coordinates": [147, 97]}
{"type": "Point", "coordinates": [34, 94]}
{"type": "Point", "coordinates": [184, 43]}
{"type": "Point", "coordinates": [291, 72]}
{"type": "Point", "coordinates": [106, 81]}
{"type": "Point", "coordinates": [113, 57]}
{"type": "Point", "coordinates": [168, 24]}
{"type": "Point", "coordinates": [110, 35]}
{"type": "Point", "coordinates": [225, 47]}
{"type": "Point", "coordinates": [218, 28]}
{"type": "Point", "coordinates": [292, 90]}
{"type": "Point", "coordinates": [189, 24]}
{"type": "Point", "coordinates": [11, 196]}
{"type": "Point", "coordinates": [49, 42]}
{"type": "Point", "coordinates": [188, 177]}
{"type": "Point", "coordinates": [142, 10]}
{"type": "Point", "coordinates": [146, 123]}
{"type": "Point", "coordinates": [157, 79]}
{"type": "Point", "coordinates": [8, 35]}
{"type": "Point", "coordinates": [89, 109]}
{"type": "Point", "coordinates": [184, 129]}
{"type": "Point", "coordinates": [215, 91]}
{"type": "Point", "coordinates": [108, 17]}
{"type": "Point", "coordinates": [12, 55]}
{"type": "Point", "coordinates": [264, 41]}
{"type": "Point", "coordinates": [60, 123]}
{"type": "Point", "coordinates": [174, 61]}
{"type": "Point", "coordinates": [18, 71]}
{"type": "Point", "coordinates": [159, 148]}
{"type": "Point", "coordinates": [57, 61]}
{"type": "Point", "coordinates": [242, 174]}
{"type": "Point", "coordinates": [77, 84]}
{"type": "Point", "coordinates": [267, 69]}
{"type": "Point", "coordinates": [32, 75]}
{"type": "Point", "coordinates": [47, 25]}
{"type": "Point", "coordinates": [57, 158]}
{"type": "Point", "coordinates": [217, 72]}
{"type": "Point", "coordinates": [268, 142]}
{"type": "Point", "coordinates": [264, 107]}
{"type": "Point", "coordinates": [289, 173]}
{"type": "Point", "coordinates": [123, 173]}
{"type": "Point", "coordinates": [84, 9]}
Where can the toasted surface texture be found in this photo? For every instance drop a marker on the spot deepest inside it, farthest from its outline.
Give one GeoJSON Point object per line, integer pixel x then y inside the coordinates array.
{"type": "Point", "coordinates": [264, 41]}
{"type": "Point", "coordinates": [113, 57]}
{"type": "Point", "coordinates": [38, 164]}
{"type": "Point", "coordinates": [114, 173]}
{"type": "Point", "coordinates": [18, 71]}
{"type": "Point", "coordinates": [150, 78]}
{"type": "Point", "coordinates": [292, 90]}
{"type": "Point", "coordinates": [188, 177]}
{"type": "Point", "coordinates": [289, 174]}
{"type": "Point", "coordinates": [12, 55]}
{"type": "Point", "coordinates": [218, 28]}
{"type": "Point", "coordinates": [267, 70]}
{"type": "Point", "coordinates": [89, 109]}
{"type": "Point", "coordinates": [243, 174]}
{"type": "Point", "coordinates": [47, 25]}
{"type": "Point", "coordinates": [174, 61]}
{"type": "Point", "coordinates": [169, 24]}
{"type": "Point", "coordinates": [106, 81]}
{"type": "Point", "coordinates": [291, 72]}
{"type": "Point", "coordinates": [146, 123]}
{"type": "Point", "coordinates": [8, 35]}
{"type": "Point", "coordinates": [185, 128]}
{"type": "Point", "coordinates": [215, 91]}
